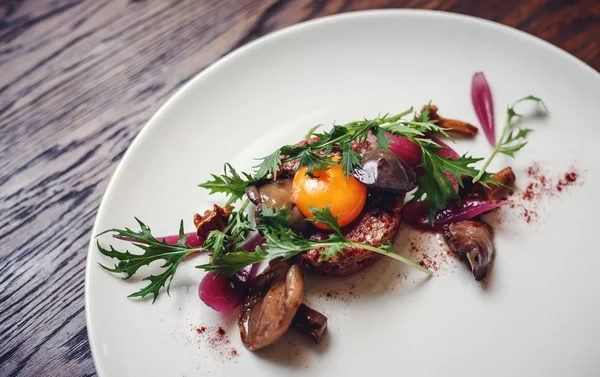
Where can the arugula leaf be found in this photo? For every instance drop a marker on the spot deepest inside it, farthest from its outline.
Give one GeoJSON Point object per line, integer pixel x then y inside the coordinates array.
{"type": "Point", "coordinates": [216, 240]}
{"type": "Point", "coordinates": [424, 116]}
{"type": "Point", "coordinates": [382, 141]}
{"type": "Point", "coordinates": [271, 218]}
{"type": "Point", "coordinates": [510, 141]}
{"type": "Point", "coordinates": [325, 217]}
{"type": "Point", "coordinates": [314, 162]}
{"type": "Point", "coordinates": [154, 250]}
{"type": "Point", "coordinates": [229, 264]}
{"type": "Point", "coordinates": [402, 129]}
{"type": "Point", "coordinates": [220, 242]}
{"type": "Point", "coordinates": [327, 140]}
{"type": "Point", "coordinates": [331, 250]}
{"type": "Point", "coordinates": [394, 118]}
{"type": "Point", "coordinates": [269, 165]}
{"type": "Point", "coordinates": [315, 156]}
{"type": "Point", "coordinates": [281, 241]}
{"type": "Point", "coordinates": [350, 160]}
{"type": "Point", "coordinates": [512, 144]}
{"type": "Point", "coordinates": [312, 131]}
{"type": "Point", "coordinates": [434, 187]}
{"type": "Point", "coordinates": [230, 183]}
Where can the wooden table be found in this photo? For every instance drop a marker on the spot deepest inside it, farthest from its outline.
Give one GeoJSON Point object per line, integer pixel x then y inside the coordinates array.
{"type": "Point", "coordinates": [78, 80]}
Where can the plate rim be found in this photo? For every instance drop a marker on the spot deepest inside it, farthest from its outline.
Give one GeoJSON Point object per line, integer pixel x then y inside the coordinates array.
{"type": "Point", "coordinates": [230, 57]}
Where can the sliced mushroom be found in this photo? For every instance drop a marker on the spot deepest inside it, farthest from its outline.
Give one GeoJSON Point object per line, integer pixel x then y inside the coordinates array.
{"type": "Point", "coordinates": [310, 322]}
{"type": "Point", "coordinates": [473, 240]}
{"type": "Point", "coordinates": [274, 299]}
{"type": "Point", "coordinates": [384, 170]}
{"type": "Point", "coordinates": [276, 195]}
{"type": "Point", "coordinates": [452, 125]}
{"type": "Point", "coordinates": [273, 194]}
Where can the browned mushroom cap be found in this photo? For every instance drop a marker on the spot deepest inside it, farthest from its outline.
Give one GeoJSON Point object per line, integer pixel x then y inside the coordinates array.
{"type": "Point", "coordinates": [268, 311]}
{"type": "Point", "coordinates": [473, 240]}
{"type": "Point", "coordinates": [384, 170]}
{"type": "Point", "coordinates": [276, 195]}
{"type": "Point", "coordinates": [273, 194]}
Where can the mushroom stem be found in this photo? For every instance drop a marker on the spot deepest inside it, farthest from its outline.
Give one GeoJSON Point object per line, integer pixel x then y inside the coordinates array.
{"type": "Point", "coordinates": [310, 322]}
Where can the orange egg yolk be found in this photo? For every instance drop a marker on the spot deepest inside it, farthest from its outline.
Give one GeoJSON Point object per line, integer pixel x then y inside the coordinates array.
{"type": "Point", "coordinates": [345, 197]}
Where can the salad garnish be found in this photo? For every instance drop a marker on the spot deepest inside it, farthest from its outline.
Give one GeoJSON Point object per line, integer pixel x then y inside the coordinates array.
{"type": "Point", "coordinates": [510, 142]}
{"type": "Point", "coordinates": [332, 203]}
{"type": "Point", "coordinates": [435, 188]}
{"type": "Point", "coordinates": [435, 191]}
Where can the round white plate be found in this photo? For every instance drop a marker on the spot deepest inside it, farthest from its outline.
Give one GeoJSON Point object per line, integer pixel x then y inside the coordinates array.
{"type": "Point", "coordinates": [537, 315]}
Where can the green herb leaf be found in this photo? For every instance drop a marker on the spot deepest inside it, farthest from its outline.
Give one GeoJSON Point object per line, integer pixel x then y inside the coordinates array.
{"type": "Point", "coordinates": [229, 183]}
{"type": "Point", "coordinates": [154, 250]}
{"type": "Point", "coordinates": [273, 218]}
{"type": "Point", "coordinates": [216, 241]}
{"type": "Point", "coordinates": [350, 160]}
{"type": "Point", "coordinates": [282, 242]}
{"type": "Point", "coordinates": [325, 217]}
{"type": "Point", "coordinates": [314, 162]}
{"type": "Point", "coordinates": [512, 149]}
{"type": "Point", "coordinates": [510, 142]}
{"type": "Point", "coordinates": [312, 131]}
{"type": "Point", "coordinates": [220, 242]}
{"type": "Point", "coordinates": [229, 264]}
{"type": "Point", "coordinates": [269, 165]}
{"type": "Point", "coordinates": [332, 250]}
{"type": "Point", "coordinates": [434, 187]}
{"type": "Point", "coordinates": [382, 141]}
{"type": "Point", "coordinates": [402, 129]}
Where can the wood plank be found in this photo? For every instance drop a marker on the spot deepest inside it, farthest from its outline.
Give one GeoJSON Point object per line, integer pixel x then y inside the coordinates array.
{"type": "Point", "coordinates": [78, 80]}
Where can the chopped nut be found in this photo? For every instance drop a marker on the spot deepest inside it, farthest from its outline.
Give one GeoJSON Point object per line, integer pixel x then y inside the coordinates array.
{"type": "Point", "coordinates": [211, 220]}
{"type": "Point", "coordinates": [453, 125]}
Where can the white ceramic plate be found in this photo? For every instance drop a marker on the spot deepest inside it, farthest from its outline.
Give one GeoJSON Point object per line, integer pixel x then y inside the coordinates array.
{"type": "Point", "coordinates": [536, 316]}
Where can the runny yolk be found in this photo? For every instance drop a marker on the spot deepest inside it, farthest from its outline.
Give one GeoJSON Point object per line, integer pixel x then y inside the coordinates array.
{"type": "Point", "coordinates": [346, 197]}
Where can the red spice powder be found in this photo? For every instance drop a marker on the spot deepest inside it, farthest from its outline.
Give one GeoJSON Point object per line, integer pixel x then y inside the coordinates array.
{"type": "Point", "coordinates": [569, 179]}
{"type": "Point", "coordinates": [527, 215]}
{"type": "Point", "coordinates": [429, 263]}
{"type": "Point", "coordinates": [217, 341]}
{"type": "Point", "coordinates": [539, 186]}
{"type": "Point", "coordinates": [529, 193]}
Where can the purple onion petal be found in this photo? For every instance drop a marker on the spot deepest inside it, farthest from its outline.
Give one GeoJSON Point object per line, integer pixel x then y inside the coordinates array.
{"type": "Point", "coordinates": [481, 96]}
{"type": "Point", "coordinates": [250, 245]}
{"type": "Point", "coordinates": [448, 152]}
{"type": "Point", "coordinates": [416, 214]}
{"type": "Point", "coordinates": [218, 293]}
{"type": "Point", "coordinates": [405, 149]}
{"type": "Point", "coordinates": [192, 241]}
{"type": "Point", "coordinates": [254, 241]}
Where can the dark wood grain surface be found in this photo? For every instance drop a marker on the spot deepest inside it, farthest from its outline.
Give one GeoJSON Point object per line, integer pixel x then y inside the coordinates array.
{"type": "Point", "coordinates": [78, 80]}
